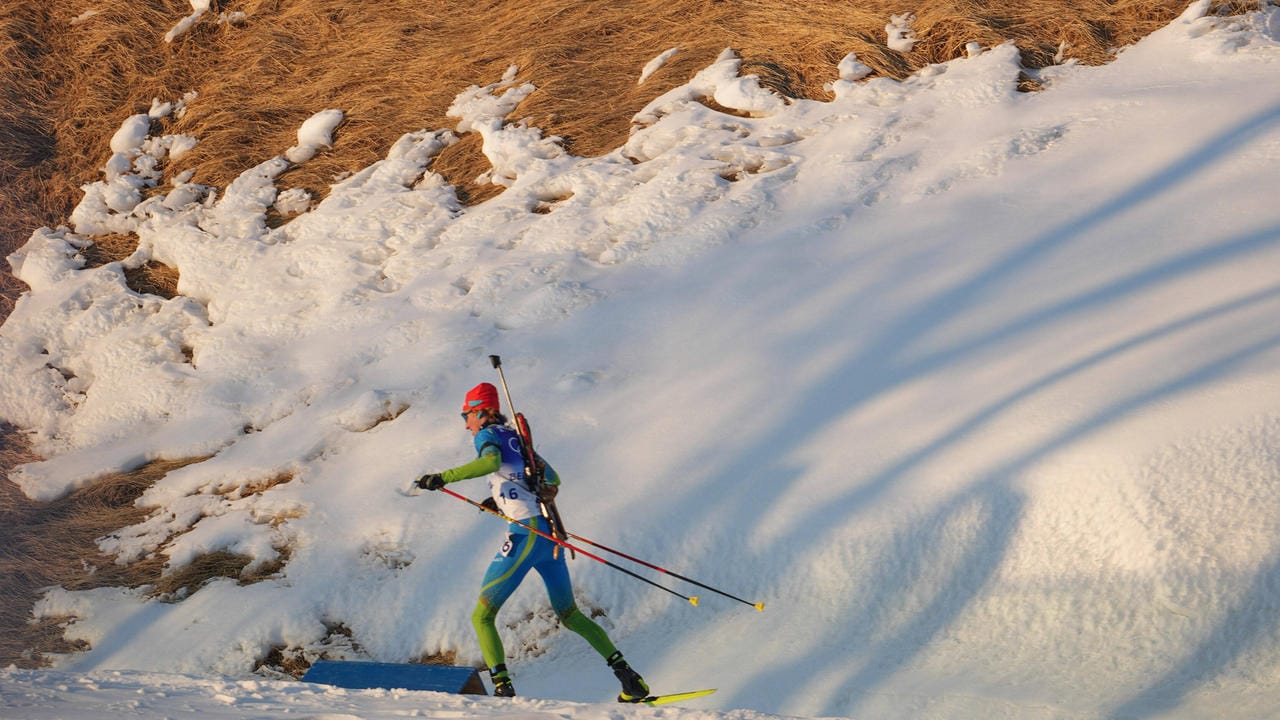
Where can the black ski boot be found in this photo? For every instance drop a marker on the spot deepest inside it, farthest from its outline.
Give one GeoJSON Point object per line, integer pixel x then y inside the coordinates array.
{"type": "Point", "coordinates": [634, 688]}
{"type": "Point", "coordinates": [502, 686]}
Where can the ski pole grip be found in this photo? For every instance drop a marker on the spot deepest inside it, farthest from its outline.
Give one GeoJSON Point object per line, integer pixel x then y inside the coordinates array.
{"type": "Point", "coordinates": [497, 361]}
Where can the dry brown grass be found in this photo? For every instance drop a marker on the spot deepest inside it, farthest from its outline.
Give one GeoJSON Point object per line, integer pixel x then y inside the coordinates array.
{"type": "Point", "coordinates": [295, 661]}
{"type": "Point", "coordinates": [153, 278]}
{"type": "Point", "coordinates": [43, 544]}
{"type": "Point", "coordinates": [54, 543]}
{"type": "Point", "coordinates": [394, 66]}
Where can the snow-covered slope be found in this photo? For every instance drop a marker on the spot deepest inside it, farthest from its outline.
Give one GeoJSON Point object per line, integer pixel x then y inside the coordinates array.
{"type": "Point", "coordinates": [59, 695]}
{"type": "Point", "coordinates": [974, 388]}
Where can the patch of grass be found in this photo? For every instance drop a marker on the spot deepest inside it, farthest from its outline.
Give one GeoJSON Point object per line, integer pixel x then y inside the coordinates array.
{"type": "Point", "coordinates": [152, 278]}
{"type": "Point", "coordinates": [177, 585]}
{"type": "Point", "coordinates": [395, 66]}
{"type": "Point", "coordinates": [54, 543]}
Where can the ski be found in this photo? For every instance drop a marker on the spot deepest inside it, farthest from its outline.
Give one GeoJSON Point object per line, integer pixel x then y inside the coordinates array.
{"type": "Point", "coordinates": [675, 697]}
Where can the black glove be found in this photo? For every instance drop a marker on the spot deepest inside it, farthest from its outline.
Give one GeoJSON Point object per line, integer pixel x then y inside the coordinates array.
{"type": "Point", "coordinates": [547, 493]}
{"type": "Point", "coordinates": [490, 504]}
{"type": "Point", "coordinates": [430, 481]}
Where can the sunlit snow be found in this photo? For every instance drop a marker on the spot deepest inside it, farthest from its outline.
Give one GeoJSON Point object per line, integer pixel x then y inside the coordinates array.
{"type": "Point", "coordinates": [974, 388]}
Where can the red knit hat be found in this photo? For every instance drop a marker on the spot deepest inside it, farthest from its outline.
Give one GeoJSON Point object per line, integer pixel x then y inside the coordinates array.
{"type": "Point", "coordinates": [482, 397]}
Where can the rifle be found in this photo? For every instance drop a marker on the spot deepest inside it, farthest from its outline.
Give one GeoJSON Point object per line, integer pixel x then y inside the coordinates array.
{"type": "Point", "coordinates": [534, 470]}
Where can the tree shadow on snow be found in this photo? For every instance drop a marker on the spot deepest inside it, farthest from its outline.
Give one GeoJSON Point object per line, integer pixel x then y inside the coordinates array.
{"type": "Point", "coordinates": [1249, 623]}
{"type": "Point", "coordinates": [972, 557]}
{"type": "Point", "coordinates": [765, 469]}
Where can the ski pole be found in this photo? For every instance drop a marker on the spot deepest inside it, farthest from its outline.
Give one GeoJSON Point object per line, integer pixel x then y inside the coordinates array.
{"type": "Point", "coordinates": [557, 526]}
{"type": "Point", "coordinates": [758, 606]}
{"type": "Point", "coordinates": [691, 600]}
{"type": "Point", "coordinates": [497, 365]}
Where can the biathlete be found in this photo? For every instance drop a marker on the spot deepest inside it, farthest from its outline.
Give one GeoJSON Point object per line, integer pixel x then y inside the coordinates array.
{"type": "Point", "coordinates": [498, 449]}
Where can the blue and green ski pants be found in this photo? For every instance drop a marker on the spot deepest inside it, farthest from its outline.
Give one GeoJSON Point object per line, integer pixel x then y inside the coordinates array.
{"type": "Point", "coordinates": [524, 551]}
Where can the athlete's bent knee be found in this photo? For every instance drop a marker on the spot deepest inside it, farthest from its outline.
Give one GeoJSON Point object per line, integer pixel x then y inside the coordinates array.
{"type": "Point", "coordinates": [483, 615]}
{"type": "Point", "coordinates": [567, 614]}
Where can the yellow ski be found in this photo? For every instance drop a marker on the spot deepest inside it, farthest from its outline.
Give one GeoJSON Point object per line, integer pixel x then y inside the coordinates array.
{"type": "Point", "coordinates": [675, 697]}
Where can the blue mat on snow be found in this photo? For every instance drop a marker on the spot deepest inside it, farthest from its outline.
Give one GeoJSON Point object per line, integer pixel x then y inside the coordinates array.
{"type": "Point", "coordinates": [404, 676]}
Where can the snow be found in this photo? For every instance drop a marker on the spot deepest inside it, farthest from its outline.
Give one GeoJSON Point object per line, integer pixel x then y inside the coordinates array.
{"type": "Point", "coordinates": [973, 388]}
{"type": "Point", "coordinates": [315, 133]}
{"type": "Point", "coordinates": [131, 134]}
{"type": "Point", "coordinates": [198, 10]}
{"type": "Point", "coordinates": [128, 694]}
{"type": "Point", "coordinates": [293, 201]}
{"type": "Point", "coordinates": [850, 70]}
{"type": "Point", "coordinates": [656, 64]}
{"type": "Point", "coordinates": [899, 34]}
